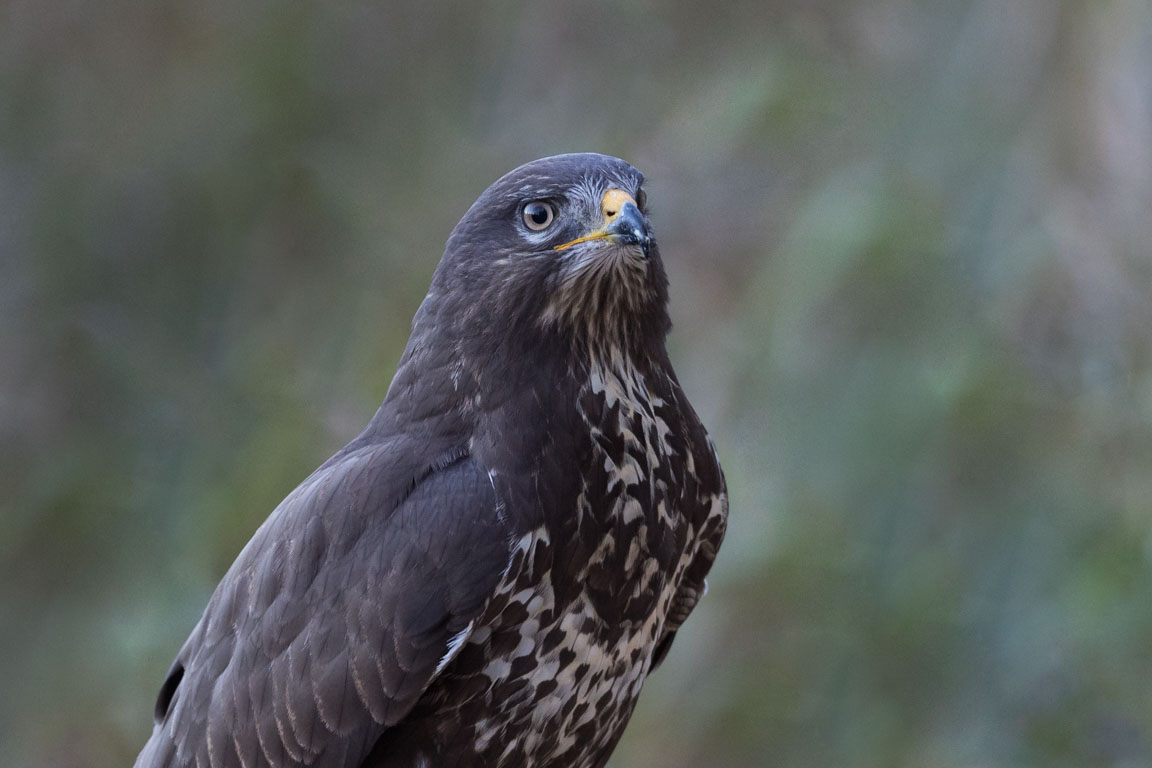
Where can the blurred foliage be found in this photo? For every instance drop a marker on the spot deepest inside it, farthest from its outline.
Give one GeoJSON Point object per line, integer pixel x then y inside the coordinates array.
{"type": "Point", "coordinates": [912, 287]}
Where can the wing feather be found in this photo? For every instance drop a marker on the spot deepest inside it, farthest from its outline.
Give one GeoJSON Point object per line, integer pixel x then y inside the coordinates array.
{"type": "Point", "coordinates": [335, 617]}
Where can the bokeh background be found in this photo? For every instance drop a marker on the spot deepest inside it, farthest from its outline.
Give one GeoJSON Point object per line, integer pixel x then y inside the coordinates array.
{"type": "Point", "coordinates": [909, 245]}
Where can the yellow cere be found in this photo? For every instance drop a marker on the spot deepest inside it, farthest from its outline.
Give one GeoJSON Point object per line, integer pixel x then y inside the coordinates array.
{"type": "Point", "coordinates": [612, 202]}
{"type": "Point", "coordinates": [610, 206]}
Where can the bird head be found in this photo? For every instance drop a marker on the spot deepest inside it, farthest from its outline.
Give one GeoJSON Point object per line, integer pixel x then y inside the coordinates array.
{"type": "Point", "coordinates": [558, 250]}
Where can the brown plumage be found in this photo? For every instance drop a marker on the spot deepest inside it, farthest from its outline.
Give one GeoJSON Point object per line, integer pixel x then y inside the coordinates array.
{"type": "Point", "coordinates": [488, 572]}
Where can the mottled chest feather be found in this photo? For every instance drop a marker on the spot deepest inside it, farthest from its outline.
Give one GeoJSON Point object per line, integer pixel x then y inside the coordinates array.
{"type": "Point", "coordinates": [551, 671]}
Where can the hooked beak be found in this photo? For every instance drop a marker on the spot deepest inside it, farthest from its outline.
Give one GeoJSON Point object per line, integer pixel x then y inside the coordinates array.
{"type": "Point", "coordinates": [629, 226]}
{"type": "Point", "coordinates": [623, 223]}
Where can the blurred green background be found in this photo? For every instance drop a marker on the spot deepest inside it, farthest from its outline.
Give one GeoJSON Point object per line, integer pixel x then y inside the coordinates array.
{"type": "Point", "coordinates": [909, 245]}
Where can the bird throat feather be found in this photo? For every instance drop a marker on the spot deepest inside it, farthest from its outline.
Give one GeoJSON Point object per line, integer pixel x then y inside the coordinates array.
{"type": "Point", "coordinates": [601, 293]}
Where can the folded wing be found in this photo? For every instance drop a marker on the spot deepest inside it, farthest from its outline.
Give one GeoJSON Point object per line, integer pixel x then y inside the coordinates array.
{"type": "Point", "coordinates": [334, 619]}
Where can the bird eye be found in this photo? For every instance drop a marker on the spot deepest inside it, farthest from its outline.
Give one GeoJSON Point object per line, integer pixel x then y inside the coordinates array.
{"type": "Point", "coordinates": [538, 215]}
{"type": "Point", "coordinates": [641, 200]}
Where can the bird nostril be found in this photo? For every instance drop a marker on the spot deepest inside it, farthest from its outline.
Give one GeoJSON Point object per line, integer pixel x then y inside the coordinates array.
{"type": "Point", "coordinates": [610, 214]}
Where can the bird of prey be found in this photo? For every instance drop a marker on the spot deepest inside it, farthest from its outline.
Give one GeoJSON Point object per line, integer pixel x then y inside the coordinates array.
{"type": "Point", "coordinates": [488, 572]}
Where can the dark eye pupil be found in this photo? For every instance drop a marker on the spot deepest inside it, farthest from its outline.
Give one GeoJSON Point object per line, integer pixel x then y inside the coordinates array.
{"type": "Point", "coordinates": [538, 213]}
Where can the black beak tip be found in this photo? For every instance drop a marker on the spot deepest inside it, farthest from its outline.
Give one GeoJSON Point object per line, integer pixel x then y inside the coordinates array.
{"type": "Point", "coordinates": [630, 228]}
